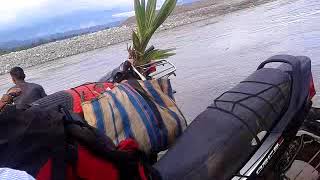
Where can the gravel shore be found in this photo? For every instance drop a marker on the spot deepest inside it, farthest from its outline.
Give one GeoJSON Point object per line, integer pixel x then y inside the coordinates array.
{"type": "Point", "coordinates": [183, 15]}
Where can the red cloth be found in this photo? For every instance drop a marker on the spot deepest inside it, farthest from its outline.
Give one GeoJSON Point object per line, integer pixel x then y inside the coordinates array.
{"type": "Point", "coordinates": [89, 91]}
{"type": "Point", "coordinates": [130, 145]}
{"type": "Point", "coordinates": [90, 167]}
{"type": "Point", "coordinates": [312, 89]}
{"type": "Point", "coordinates": [45, 171]}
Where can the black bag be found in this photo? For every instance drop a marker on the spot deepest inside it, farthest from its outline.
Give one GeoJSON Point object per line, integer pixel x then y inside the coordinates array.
{"type": "Point", "coordinates": [29, 139]}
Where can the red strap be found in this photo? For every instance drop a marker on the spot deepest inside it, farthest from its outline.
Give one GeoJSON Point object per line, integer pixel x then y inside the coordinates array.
{"type": "Point", "coordinates": [142, 172]}
{"type": "Point", "coordinates": [45, 172]}
{"type": "Point", "coordinates": [88, 167]}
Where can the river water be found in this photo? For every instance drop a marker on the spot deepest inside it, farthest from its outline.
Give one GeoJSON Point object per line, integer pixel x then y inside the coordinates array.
{"type": "Point", "coordinates": [212, 55]}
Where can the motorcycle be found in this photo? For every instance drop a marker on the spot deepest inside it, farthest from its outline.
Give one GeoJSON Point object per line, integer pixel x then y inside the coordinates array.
{"type": "Point", "coordinates": [249, 132]}
{"type": "Point", "coordinates": [226, 142]}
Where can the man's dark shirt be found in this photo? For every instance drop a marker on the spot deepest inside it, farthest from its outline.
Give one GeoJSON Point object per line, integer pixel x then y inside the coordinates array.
{"type": "Point", "coordinates": [30, 92]}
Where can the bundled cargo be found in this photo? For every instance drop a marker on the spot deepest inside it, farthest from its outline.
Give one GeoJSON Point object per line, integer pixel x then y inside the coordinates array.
{"type": "Point", "coordinates": [142, 110]}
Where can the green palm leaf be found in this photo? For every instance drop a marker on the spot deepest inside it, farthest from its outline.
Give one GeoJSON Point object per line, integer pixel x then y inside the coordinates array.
{"type": "Point", "coordinates": [163, 13]}
{"type": "Point", "coordinates": [140, 17]}
{"type": "Point", "coordinates": [155, 54]}
{"type": "Point", "coordinates": [136, 41]}
{"type": "Point", "coordinates": [148, 21]}
{"type": "Point", "coordinates": [150, 12]}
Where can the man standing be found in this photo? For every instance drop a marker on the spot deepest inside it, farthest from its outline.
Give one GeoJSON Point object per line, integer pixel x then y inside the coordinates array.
{"type": "Point", "coordinates": [23, 93]}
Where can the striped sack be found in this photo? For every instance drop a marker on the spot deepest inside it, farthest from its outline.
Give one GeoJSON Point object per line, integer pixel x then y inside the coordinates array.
{"type": "Point", "coordinates": [142, 110]}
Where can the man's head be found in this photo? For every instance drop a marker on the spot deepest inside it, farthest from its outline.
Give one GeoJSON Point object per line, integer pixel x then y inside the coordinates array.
{"type": "Point", "coordinates": [17, 74]}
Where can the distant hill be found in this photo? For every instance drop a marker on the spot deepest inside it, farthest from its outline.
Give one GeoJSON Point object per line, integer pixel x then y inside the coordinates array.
{"type": "Point", "coordinates": [2, 51]}
{"type": "Point", "coordinates": [17, 45]}
{"type": "Point", "coordinates": [183, 6]}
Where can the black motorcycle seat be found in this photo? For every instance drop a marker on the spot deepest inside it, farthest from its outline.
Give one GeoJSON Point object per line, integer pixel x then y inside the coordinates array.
{"type": "Point", "coordinates": [226, 134]}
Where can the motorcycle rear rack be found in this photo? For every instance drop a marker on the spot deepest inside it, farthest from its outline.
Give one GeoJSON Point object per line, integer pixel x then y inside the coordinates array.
{"type": "Point", "coordinates": [164, 69]}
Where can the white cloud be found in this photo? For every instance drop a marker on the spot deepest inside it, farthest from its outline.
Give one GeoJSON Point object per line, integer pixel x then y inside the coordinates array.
{"type": "Point", "coordinates": [131, 13]}
{"type": "Point", "coordinates": [17, 11]}
{"type": "Point", "coordinates": [10, 9]}
{"type": "Point", "coordinates": [90, 4]}
{"type": "Point", "coordinates": [125, 14]}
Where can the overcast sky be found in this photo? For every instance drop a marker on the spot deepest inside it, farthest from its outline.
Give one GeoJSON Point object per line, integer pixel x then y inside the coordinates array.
{"type": "Point", "coordinates": [13, 12]}
{"type": "Point", "coordinates": [26, 19]}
